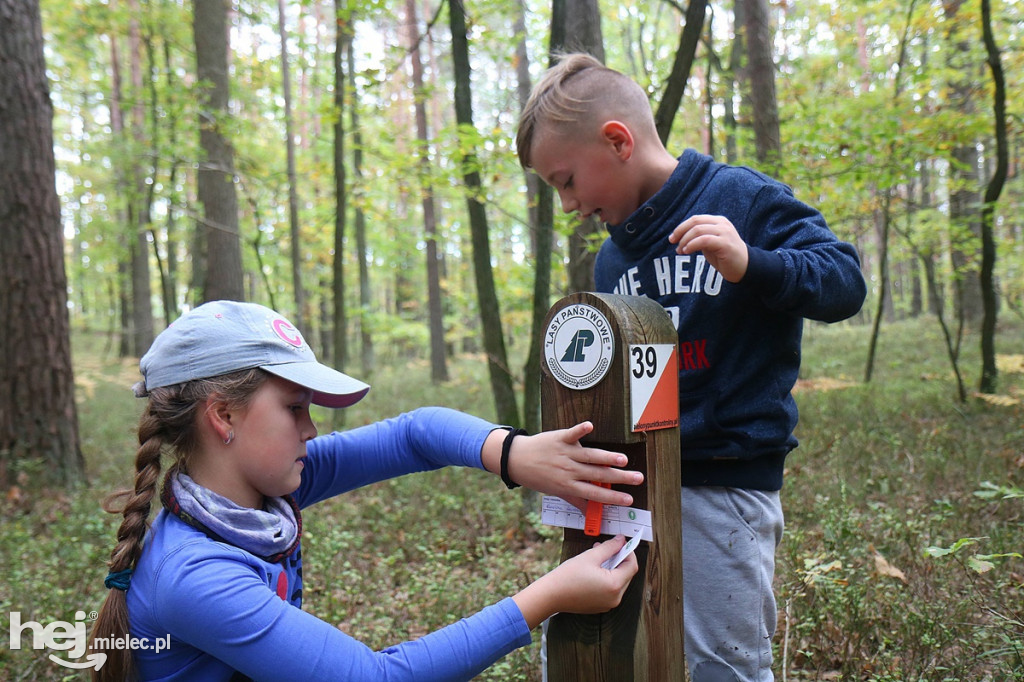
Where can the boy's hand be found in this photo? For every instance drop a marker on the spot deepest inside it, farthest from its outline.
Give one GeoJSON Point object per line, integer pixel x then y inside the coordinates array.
{"type": "Point", "coordinates": [717, 239]}
{"type": "Point", "coordinates": [556, 463]}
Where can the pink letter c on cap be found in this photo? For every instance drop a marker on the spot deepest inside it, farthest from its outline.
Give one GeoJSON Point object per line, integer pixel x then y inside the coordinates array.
{"type": "Point", "coordinates": [287, 332]}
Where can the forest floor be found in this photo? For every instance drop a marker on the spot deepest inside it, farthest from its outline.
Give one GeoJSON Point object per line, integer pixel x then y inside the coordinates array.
{"type": "Point", "coordinates": [904, 518]}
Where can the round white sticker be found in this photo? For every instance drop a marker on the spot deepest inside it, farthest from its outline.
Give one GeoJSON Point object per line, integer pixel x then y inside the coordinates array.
{"type": "Point", "coordinates": [578, 346]}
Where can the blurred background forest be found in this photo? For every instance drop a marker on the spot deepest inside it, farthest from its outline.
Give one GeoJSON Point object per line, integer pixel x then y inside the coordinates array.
{"type": "Point", "coordinates": [351, 164]}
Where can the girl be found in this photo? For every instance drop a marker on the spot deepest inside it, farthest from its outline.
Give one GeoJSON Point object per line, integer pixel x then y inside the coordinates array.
{"type": "Point", "coordinates": [220, 571]}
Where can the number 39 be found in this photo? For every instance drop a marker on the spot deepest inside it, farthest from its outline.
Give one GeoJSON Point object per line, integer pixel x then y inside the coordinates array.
{"type": "Point", "coordinates": [645, 361]}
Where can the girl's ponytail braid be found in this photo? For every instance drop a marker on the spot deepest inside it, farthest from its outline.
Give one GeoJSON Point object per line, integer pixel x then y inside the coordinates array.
{"type": "Point", "coordinates": [134, 505]}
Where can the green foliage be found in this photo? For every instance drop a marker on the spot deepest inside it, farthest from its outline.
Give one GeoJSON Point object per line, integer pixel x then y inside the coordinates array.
{"type": "Point", "coordinates": [869, 117]}
{"type": "Point", "coordinates": [990, 490]}
{"type": "Point", "coordinates": [901, 559]}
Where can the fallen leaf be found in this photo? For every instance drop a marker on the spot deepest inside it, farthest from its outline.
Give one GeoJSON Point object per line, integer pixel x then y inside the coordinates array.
{"type": "Point", "coordinates": [1010, 364]}
{"type": "Point", "coordinates": [883, 567]}
{"type": "Point", "coordinates": [997, 399]}
{"type": "Point", "coordinates": [822, 384]}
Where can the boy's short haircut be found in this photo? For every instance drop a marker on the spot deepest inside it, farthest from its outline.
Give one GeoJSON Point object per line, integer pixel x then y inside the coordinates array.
{"type": "Point", "coordinates": [573, 94]}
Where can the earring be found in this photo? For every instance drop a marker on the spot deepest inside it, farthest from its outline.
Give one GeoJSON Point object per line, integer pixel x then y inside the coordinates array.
{"type": "Point", "coordinates": [230, 438]}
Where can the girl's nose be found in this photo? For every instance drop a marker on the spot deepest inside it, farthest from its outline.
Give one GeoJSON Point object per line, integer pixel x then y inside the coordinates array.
{"type": "Point", "coordinates": [309, 429]}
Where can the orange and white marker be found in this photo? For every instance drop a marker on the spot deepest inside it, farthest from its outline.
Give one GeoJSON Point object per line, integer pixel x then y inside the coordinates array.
{"type": "Point", "coordinates": [654, 386]}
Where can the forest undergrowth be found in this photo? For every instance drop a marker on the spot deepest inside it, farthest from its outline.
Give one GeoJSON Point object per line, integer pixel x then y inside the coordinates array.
{"type": "Point", "coordinates": [901, 559]}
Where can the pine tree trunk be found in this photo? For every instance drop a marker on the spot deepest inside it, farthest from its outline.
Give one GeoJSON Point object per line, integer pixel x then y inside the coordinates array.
{"type": "Point", "coordinates": [139, 200]}
{"type": "Point", "coordinates": [216, 175]}
{"type": "Point", "coordinates": [435, 315]}
{"type": "Point", "coordinates": [767, 138]}
{"type": "Point", "coordinates": [38, 417]}
{"type": "Point", "coordinates": [582, 33]}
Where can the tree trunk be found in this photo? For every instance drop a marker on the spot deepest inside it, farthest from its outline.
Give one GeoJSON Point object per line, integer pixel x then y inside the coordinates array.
{"type": "Point", "coordinates": [540, 210]}
{"type": "Point", "coordinates": [523, 88]}
{"type": "Point", "coordinates": [761, 69]}
{"type": "Point", "coordinates": [675, 86]}
{"type": "Point", "coordinates": [736, 80]}
{"type": "Point", "coordinates": [38, 417]}
{"type": "Point", "coordinates": [882, 217]}
{"type": "Point", "coordinates": [928, 265]}
{"type": "Point", "coordinates": [989, 374]}
{"type": "Point", "coordinates": [216, 174]}
{"type": "Point", "coordinates": [709, 90]}
{"type": "Point", "coordinates": [582, 33]}
{"type": "Point", "coordinates": [121, 209]}
{"type": "Point", "coordinates": [139, 201]}
{"type": "Point", "coordinates": [342, 44]}
{"type": "Point", "coordinates": [302, 315]}
{"type": "Point", "coordinates": [964, 174]}
{"type": "Point", "coordinates": [365, 331]}
{"type": "Point", "coordinates": [435, 315]}
{"type": "Point", "coordinates": [883, 214]}
{"type": "Point", "coordinates": [490, 314]}
{"type": "Point", "coordinates": [170, 287]}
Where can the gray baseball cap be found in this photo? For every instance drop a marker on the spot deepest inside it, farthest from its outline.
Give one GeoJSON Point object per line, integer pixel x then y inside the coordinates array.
{"type": "Point", "coordinates": [221, 337]}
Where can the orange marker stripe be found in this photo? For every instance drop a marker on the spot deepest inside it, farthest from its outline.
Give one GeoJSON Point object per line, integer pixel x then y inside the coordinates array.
{"type": "Point", "coordinates": [595, 510]}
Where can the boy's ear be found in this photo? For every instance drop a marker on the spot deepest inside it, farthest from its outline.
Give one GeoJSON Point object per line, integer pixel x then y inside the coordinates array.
{"type": "Point", "coordinates": [619, 136]}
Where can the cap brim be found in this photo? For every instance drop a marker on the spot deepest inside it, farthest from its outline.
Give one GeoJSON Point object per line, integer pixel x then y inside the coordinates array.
{"type": "Point", "coordinates": [330, 387]}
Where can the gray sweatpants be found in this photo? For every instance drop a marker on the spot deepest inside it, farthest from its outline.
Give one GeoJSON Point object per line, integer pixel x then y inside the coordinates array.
{"type": "Point", "coordinates": [729, 541]}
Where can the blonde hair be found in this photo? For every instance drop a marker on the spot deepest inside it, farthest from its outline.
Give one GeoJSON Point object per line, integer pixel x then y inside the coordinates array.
{"type": "Point", "coordinates": [573, 95]}
{"type": "Point", "coordinates": [170, 419]}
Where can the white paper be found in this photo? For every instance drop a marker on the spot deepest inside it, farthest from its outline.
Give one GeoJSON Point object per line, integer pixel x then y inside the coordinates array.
{"type": "Point", "coordinates": [626, 550]}
{"type": "Point", "coordinates": [615, 520]}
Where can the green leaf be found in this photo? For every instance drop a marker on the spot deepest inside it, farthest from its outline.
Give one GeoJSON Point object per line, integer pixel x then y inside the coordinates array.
{"type": "Point", "coordinates": [952, 549]}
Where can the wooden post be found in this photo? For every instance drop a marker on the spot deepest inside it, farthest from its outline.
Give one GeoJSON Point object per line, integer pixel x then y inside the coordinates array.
{"type": "Point", "coordinates": [596, 348]}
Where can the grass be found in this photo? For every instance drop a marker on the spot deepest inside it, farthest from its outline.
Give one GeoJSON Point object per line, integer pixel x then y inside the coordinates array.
{"type": "Point", "coordinates": [901, 559]}
{"type": "Point", "coordinates": [886, 471]}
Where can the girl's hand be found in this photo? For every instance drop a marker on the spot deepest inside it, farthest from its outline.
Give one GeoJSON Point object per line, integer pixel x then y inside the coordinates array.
{"type": "Point", "coordinates": [556, 463]}
{"type": "Point", "coordinates": [579, 585]}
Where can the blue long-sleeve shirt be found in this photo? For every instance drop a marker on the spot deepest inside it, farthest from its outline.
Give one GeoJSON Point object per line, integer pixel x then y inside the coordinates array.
{"type": "Point", "coordinates": [229, 611]}
{"type": "Point", "coordinates": [739, 344]}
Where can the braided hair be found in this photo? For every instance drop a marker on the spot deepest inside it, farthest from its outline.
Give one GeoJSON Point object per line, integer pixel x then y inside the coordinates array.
{"type": "Point", "coordinates": [171, 419]}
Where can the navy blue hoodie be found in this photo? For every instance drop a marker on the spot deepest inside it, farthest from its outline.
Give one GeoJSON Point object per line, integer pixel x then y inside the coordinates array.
{"type": "Point", "coordinates": [739, 344]}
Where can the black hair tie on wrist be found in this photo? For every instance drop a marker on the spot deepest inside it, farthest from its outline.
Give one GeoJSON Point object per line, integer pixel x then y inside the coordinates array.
{"type": "Point", "coordinates": [506, 447]}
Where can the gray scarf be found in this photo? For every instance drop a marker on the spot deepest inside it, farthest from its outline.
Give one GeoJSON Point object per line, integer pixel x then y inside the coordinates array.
{"type": "Point", "coordinates": [271, 533]}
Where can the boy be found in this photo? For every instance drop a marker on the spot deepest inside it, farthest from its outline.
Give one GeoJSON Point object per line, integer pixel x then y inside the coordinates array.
{"type": "Point", "coordinates": [737, 262]}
